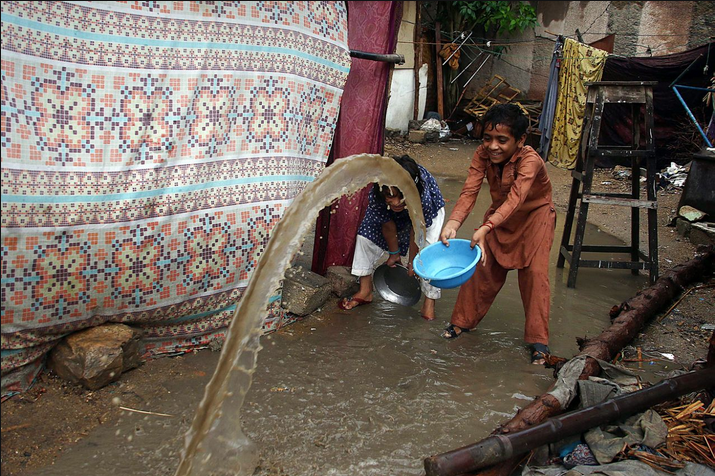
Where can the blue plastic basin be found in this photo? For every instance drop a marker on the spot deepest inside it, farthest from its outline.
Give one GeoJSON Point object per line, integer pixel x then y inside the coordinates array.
{"type": "Point", "coordinates": [447, 266]}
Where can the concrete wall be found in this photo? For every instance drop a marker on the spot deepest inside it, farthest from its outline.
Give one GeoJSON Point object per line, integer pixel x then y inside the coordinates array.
{"type": "Point", "coordinates": [406, 35]}
{"type": "Point", "coordinates": [640, 29]}
{"type": "Point", "coordinates": [400, 105]}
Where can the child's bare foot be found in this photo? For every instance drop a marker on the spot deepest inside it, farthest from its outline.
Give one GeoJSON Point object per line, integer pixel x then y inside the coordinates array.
{"type": "Point", "coordinates": [427, 311]}
{"type": "Point", "coordinates": [350, 303]}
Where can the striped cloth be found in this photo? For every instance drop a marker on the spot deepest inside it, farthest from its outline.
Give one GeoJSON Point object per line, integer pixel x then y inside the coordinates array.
{"type": "Point", "coordinates": [148, 149]}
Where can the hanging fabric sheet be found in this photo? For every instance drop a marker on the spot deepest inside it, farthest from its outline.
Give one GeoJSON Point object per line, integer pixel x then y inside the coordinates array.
{"type": "Point", "coordinates": [372, 27]}
{"type": "Point", "coordinates": [581, 64]}
{"type": "Point", "coordinates": [149, 148]}
{"type": "Point", "coordinates": [546, 120]}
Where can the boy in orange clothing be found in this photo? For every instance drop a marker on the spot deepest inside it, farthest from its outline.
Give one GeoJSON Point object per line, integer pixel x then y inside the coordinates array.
{"type": "Point", "coordinates": [517, 231]}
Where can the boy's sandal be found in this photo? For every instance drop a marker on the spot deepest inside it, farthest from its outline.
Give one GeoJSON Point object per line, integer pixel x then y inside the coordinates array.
{"type": "Point", "coordinates": [539, 352]}
{"type": "Point", "coordinates": [452, 331]}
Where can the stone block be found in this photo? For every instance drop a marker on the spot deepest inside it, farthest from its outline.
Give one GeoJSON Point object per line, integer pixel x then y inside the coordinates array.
{"type": "Point", "coordinates": [683, 226]}
{"type": "Point", "coordinates": [702, 233]}
{"type": "Point", "coordinates": [414, 125]}
{"type": "Point", "coordinates": [344, 284]}
{"type": "Point", "coordinates": [432, 136]}
{"type": "Point", "coordinates": [304, 291]}
{"type": "Point", "coordinates": [97, 356]}
{"type": "Point", "coordinates": [392, 132]}
{"type": "Point", "coordinates": [417, 136]}
{"type": "Point", "coordinates": [691, 214]}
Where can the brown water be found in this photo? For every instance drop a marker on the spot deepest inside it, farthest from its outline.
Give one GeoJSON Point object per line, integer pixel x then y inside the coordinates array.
{"type": "Point", "coordinates": [372, 391]}
{"type": "Point", "coordinates": [214, 443]}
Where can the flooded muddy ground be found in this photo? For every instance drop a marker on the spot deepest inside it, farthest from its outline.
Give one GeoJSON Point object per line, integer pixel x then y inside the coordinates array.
{"type": "Point", "coordinates": [374, 390]}
{"type": "Point", "coordinates": [370, 391]}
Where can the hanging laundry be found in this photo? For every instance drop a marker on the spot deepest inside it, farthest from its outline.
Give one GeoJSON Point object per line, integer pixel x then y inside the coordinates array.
{"type": "Point", "coordinates": [447, 51]}
{"type": "Point", "coordinates": [581, 64]}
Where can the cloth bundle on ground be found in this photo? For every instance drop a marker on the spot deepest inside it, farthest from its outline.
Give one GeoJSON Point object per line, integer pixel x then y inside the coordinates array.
{"type": "Point", "coordinates": [596, 450]}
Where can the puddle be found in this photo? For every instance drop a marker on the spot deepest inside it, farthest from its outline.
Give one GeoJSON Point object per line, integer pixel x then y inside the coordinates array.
{"type": "Point", "coordinates": [372, 391]}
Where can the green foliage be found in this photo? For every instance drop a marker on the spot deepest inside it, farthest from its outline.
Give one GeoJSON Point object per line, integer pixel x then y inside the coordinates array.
{"type": "Point", "coordinates": [496, 17]}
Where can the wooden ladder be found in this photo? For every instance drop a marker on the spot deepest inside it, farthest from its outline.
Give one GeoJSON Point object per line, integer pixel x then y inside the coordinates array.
{"type": "Point", "coordinates": [636, 94]}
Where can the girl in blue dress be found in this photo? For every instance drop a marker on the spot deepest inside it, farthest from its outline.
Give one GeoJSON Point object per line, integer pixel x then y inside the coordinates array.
{"type": "Point", "coordinates": [387, 228]}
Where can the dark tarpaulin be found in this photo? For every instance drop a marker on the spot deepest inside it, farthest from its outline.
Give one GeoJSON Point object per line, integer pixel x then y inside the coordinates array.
{"type": "Point", "coordinates": [670, 114]}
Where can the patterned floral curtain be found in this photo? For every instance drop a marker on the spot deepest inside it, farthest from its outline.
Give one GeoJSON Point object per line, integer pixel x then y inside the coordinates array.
{"type": "Point", "coordinates": [148, 149]}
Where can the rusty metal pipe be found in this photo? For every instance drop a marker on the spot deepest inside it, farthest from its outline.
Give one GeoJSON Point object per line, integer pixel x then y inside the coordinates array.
{"type": "Point", "coordinates": [386, 58]}
{"type": "Point", "coordinates": [498, 448]}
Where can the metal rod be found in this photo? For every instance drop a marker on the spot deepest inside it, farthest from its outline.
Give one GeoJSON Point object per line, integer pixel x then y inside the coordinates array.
{"type": "Point", "coordinates": [475, 73]}
{"type": "Point", "coordinates": [682, 86]}
{"type": "Point", "coordinates": [690, 114]}
{"type": "Point", "coordinates": [686, 70]}
{"type": "Point", "coordinates": [387, 58]}
{"type": "Point", "coordinates": [498, 448]}
{"type": "Point", "coordinates": [450, 56]}
{"type": "Point", "coordinates": [464, 88]}
{"type": "Point", "coordinates": [465, 69]}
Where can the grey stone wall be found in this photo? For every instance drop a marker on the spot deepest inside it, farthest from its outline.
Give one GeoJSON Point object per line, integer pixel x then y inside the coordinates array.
{"type": "Point", "coordinates": [639, 27]}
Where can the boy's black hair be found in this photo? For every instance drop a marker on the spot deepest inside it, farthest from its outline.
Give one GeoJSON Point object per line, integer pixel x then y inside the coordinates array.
{"type": "Point", "coordinates": [509, 115]}
{"type": "Point", "coordinates": [409, 164]}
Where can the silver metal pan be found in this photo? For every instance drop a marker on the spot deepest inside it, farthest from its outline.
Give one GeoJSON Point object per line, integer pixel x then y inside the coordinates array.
{"type": "Point", "coordinates": [394, 285]}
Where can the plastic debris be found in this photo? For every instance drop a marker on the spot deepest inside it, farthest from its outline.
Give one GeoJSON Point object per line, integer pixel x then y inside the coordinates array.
{"type": "Point", "coordinates": [674, 175]}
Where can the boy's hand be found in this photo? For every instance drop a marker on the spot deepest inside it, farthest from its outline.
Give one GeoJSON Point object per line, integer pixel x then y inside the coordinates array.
{"type": "Point", "coordinates": [393, 260]}
{"type": "Point", "coordinates": [449, 231]}
{"type": "Point", "coordinates": [479, 238]}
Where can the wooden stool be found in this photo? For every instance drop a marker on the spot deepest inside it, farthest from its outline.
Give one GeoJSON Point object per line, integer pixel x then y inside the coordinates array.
{"type": "Point", "coordinates": [635, 93]}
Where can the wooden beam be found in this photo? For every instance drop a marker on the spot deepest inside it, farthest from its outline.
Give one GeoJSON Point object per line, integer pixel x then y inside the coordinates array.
{"type": "Point", "coordinates": [438, 63]}
{"type": "Point", "coordinates": [418, 42]}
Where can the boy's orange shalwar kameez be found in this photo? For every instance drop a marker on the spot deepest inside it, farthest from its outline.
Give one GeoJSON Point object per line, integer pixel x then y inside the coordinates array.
{"type": "Point", "coordinates": [523, 216]}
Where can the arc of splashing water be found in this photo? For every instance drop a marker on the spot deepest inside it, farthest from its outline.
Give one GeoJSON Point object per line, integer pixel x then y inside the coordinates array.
{"type": "Point", "coordinates": [238, 357]}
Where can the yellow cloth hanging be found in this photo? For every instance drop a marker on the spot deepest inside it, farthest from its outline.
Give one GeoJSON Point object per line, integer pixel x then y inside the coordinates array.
{"type": "Point", "coordinates": [581, 64]}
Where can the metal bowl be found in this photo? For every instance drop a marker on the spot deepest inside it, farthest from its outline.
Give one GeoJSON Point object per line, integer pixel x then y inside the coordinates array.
{"type": "Point", "coordinates": [395, 285]}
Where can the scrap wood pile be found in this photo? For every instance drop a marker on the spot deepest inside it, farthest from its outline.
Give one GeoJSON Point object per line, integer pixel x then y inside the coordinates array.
{"type": "Point", "coordinates": [690, 431]}
{"type": "Point", "coordinates": [499, 91]}
{"type": "Point", "coordinates": [690, 437]}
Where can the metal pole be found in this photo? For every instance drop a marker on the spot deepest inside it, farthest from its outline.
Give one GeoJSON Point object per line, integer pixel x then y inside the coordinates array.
{"type": "Point", "coordinates": [453, 52]}
{"type": "Point", "coordinates": [465, 69]}
{"type": "Point", "coordinates": [690, 114]}
{"type": "Point", "coordinates": [475, 73]}
{"type": "Point", "coordinates": [686, 70]}
{"type": "Point", "coordinates": [464, 87]}
{"type": "Point", "coordinates": [391, 58]}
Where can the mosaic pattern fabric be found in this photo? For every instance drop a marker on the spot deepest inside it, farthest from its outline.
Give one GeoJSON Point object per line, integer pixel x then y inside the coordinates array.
{"type": "Point", "coordinates": [148, 149]}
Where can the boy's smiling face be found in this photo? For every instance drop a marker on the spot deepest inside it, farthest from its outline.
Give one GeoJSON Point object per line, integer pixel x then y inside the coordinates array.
{"type": "Point", "coordinates": [500, 143]}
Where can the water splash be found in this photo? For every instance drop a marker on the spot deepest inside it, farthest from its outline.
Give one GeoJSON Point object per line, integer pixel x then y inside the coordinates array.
{"type": "Point", "coordinates": [215, 443]}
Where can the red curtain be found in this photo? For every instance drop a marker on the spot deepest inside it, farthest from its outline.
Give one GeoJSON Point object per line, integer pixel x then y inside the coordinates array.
{"type": "Point", "coordinates": [372, 27]}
